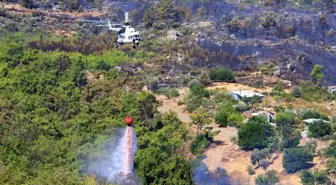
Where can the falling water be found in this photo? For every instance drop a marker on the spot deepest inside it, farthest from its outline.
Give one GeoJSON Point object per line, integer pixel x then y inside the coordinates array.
{"type": "Point", "coordinates": [130, 150]}
{"type": "Point", "coordinates": [118, 157]}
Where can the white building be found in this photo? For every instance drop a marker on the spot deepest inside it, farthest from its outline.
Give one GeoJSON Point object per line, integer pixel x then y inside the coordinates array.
{"type": "Point", "coordinates": [238, 95]}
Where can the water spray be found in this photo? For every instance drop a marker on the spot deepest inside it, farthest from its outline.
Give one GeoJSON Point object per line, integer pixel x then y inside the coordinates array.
{"type": "Point", "coordinates": [117, 161]}
{"type": "Point", "coordinates": [130, 145]}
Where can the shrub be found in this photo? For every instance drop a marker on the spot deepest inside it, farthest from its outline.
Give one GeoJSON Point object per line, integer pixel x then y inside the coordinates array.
{"type": "Point", "coordinates": [242, 108]}
{"type": "Point", "coordinates": [310, 113]}
{"type": "Point", "coordinates": [267, 69]}
{"type": "Point", "coordinates": [321, 177]}
{"type": "Point", "coordinates": [331, 150]}
{"type": "Point", "coordinates": [174, 92]}
{"type": "Point", "coordinates": [256, 83]}
{"type": "Point", "coordinates": [222, 75]}
{"type": "Point", "coordinates": [251, 100]}
{"type": "Point", "coordinates": [256, 133]}
{"type": "Point", "coordinates": [296, 159]}
{"type": "Point", "coordinates": [221, 118]}
{"type": "Point", "coordinates": [313, 92]}
{"type": "Point", "coordinates": [204, 77]}
{"type": "Point", "coordinates": [250, 170]}
{"type": "Point", "coordinates": [164, 91]}
{"type": "Point", "coordinates": [285, 119]}
{"type": "Point", "coordinates": [223, 97]}
{"type": "Point", "coordinates": [227, 116]}
{"type": "Point", "coordinates": [191, 107]}
{"type": "Point", "coordinates": [200, 143]}
{"type": "Point", "coordinates": [233, 139]}
{"type": "Point", "coordinates": [331, 163]}
{"type": "Point", "coordinates": [180, 102]}
{"type": "Point", "coordinates": [255, 99]}
{"type": "Point", "coordinates": [296, 92]}
{"type": "Point", "coordinates": [319, 129]}
{"type": "Point", "coordinates": [278, 90]}
{"type": "Point", "coordinates": [317, 177]}
{"type": "Point", "coordinates": [198, 89]}
{"type": "Point", "coordinates": [235, 120]}
{"type": "Point", "coordinates": [269, 178]}
{"type": "Point", "coordinates": [285, 122]}
{"type": "Point", "coordinates": [264, 164]}
{"type": "Point", "coordinates": [153, 84]}
{"type": "Point", "coordinates": [258, 155]}
{"type": "Point", "coordinates": [278, 109]}
{"type": "Point", "coordinates": [307, 178]}
{"type": "Point", "coordinates": [290, 139]}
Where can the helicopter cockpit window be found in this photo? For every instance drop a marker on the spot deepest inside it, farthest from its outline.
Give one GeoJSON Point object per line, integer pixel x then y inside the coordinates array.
{"type": "Point", "coordinates": [122, 30]}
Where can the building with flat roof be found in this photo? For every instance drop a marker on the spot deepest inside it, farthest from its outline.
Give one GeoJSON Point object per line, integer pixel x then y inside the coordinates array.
{"type": "Point", "coordinates": [238, 95]}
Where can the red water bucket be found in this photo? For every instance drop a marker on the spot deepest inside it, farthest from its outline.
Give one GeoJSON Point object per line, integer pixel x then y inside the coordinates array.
{"type": "Point", "coordinates": [129, 120]}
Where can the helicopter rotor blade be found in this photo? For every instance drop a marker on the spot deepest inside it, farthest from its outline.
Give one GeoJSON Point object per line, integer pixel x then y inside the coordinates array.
{"type": "Point", "coordinates": [94, 21]}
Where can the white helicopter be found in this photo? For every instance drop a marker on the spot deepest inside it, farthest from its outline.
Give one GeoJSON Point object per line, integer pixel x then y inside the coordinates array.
{"type": "Point", "coordinates": [126, 33]}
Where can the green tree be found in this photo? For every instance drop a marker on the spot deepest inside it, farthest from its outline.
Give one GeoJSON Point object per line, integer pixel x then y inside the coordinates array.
{"type": "Point", "coordinates": [319, 129]}
{"type": "Point", "coordinates": [200, 117]}
{"type": "Point", "coordinates": [256, 133]}
{"type": "Point", "coordinates": [296, 159]}
{"type": "Point", "coordinates": [317, 74]}
{"type": "Point", "coordinates": [286, 121]}
{"type": "Point", "coordinates": [146, 105]}
{"type": "Point", "coordinates": [222, 75]}
{"type": "Point", "coordinates": [221, 117]}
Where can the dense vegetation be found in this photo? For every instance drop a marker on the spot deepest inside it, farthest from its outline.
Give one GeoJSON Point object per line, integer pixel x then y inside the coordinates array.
{"type": "Point", "coordinates": [56, 106]}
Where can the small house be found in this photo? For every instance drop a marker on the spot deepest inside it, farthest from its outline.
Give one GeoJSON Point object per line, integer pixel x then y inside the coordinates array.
{"type": "Point", "coordinates": [238, 95]}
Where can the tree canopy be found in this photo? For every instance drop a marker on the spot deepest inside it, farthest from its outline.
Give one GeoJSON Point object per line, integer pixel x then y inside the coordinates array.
{"type": "Point", "coordinates": [256, 133]}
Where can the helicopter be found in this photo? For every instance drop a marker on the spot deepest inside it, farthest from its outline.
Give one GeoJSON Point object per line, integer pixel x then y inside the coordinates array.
{"type": "Point", "coordinates": [126, 33]}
